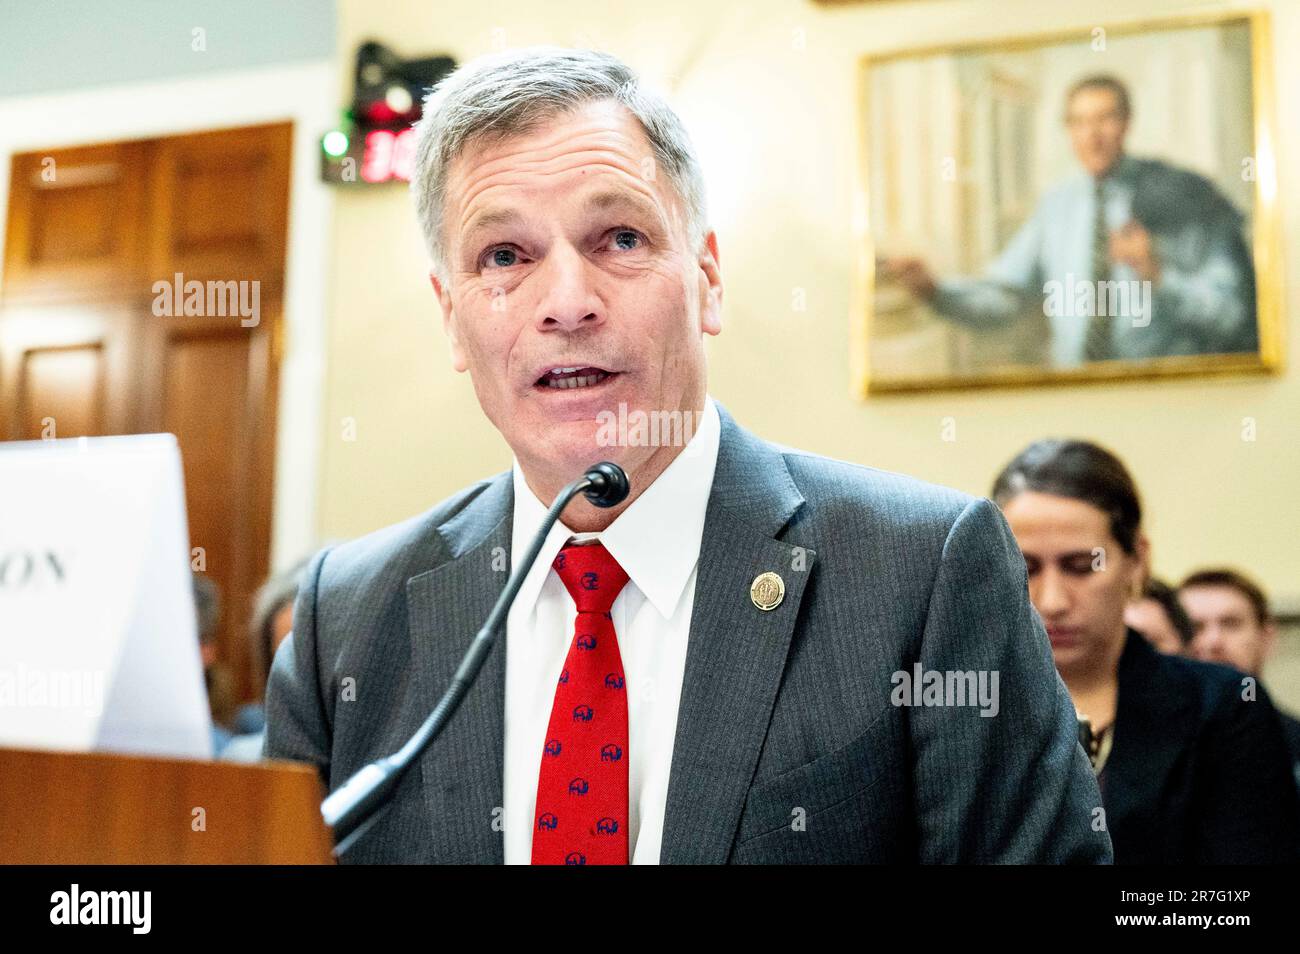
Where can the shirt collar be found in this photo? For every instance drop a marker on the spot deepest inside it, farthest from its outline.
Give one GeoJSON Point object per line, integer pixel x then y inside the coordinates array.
{"type": "Point", "coordinates": [656, 540]}
{"type": "Point", "coordinates": [1123, 172]}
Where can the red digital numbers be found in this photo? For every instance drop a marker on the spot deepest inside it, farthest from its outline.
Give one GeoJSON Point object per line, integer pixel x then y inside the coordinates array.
{"type": "Point", "coordinates": [388, 155]}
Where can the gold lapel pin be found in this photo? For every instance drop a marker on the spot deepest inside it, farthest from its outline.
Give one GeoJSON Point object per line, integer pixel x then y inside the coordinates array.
{"type": "Point", "coordinates": [767, 591]}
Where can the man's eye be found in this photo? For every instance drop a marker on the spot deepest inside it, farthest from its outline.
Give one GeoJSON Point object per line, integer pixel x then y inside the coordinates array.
{"type": "Point", "coordinates": [626, 239]}
{"type": "Point", "coordinates": [500, 258]}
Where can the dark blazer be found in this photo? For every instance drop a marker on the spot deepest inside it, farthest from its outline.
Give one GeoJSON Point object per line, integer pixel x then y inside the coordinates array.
{"type": "Point", "coordinates": [1196, 774]}
{"type": "Point", "coordinates": [788, 745]}
{"type": "Point", "coordinates": [1194, 226]}
{"type": "Point", "coordinates": [1291, 729]}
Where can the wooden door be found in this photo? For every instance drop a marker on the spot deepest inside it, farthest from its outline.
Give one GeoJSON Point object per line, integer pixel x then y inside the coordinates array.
{"type": "Point", "coordinates": [142, 292]}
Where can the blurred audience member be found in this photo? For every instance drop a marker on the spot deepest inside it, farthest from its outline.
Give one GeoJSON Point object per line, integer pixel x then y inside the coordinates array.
{"type": "Point", "coordinates": [1233, 625]}
{"type": "Point", "coordinates": [1230, 619]}
{"type": "Point", "coordinates": [217, 678]}
{"type": "Point", "coordinates": [271, 624]}
{"type": "Point", "coordinates": [1160, 618]}
{"type": "Point", "coordinates": [1190, 772]}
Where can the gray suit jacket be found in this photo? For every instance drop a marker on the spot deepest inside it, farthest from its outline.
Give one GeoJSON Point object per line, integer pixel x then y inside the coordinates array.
{"type": "Point", "coordinates": [791, 745]}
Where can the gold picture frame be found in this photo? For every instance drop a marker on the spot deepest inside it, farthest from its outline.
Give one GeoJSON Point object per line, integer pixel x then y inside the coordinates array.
{"type": "Point", "coordinates": [1264, 231]}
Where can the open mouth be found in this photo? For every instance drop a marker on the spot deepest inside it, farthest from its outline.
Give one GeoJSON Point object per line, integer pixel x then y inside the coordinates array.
{"type": "Point", "coordinates": [559, 379]}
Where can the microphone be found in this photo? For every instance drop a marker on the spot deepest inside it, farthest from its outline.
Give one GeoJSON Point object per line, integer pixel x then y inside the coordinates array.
{"type": "Point", "coordinates": [355, 806]}
{"type": "Point", "coordinates": [609, 486]}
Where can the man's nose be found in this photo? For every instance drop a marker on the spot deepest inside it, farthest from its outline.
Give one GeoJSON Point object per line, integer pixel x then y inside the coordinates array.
{"type": "Point", "coordinates": [1210, 644]}
{"type": "Point", "coordinates": [569, 300]}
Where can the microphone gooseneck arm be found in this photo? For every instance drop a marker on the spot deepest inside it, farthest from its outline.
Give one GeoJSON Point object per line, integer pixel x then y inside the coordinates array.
{"type": "Point", "coordinates": [354, 806]}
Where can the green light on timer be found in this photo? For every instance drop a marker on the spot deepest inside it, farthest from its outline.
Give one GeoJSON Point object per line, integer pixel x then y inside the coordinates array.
{"type": "Point", "coordinates": [335, 143]}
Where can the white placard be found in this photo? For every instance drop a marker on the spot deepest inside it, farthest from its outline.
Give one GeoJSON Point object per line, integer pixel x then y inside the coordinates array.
{"type": "Point", "coordinates": [98, 636]}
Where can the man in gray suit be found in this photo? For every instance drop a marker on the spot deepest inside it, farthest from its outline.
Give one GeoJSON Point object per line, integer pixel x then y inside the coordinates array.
{"type": "Point", "coordinates": [813, 661]}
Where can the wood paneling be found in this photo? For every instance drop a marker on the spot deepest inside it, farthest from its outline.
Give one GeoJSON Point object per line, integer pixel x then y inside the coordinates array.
{"type": "Point", "coordinates": [74, 223]}
{"type": "Point", "coordinates": [212, 203]}
{"type": "Point", "coordinates": [61, 391]}
{"type": "Point", "coordinates": [65, 370]}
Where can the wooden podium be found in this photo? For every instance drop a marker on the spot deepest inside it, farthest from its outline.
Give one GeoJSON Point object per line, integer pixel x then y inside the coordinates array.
{"type": "Point", "coordinates": [100, 808]}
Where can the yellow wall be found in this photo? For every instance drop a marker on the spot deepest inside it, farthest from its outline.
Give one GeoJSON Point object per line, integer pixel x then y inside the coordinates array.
{"type": "Point", "coordinates": [772, 111]}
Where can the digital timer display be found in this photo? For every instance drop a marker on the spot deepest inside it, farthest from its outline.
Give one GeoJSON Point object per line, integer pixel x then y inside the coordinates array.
{"type": "Point", "coordinates": [375, 143]}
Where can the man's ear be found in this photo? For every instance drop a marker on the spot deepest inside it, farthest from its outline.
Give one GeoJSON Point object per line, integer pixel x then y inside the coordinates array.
{"type": "Point", "coordinates": [710, 285]}
{"type": "Point", "coordinates": [1270, 638]}
{"type": "Point", "coordinates": [449, 322]}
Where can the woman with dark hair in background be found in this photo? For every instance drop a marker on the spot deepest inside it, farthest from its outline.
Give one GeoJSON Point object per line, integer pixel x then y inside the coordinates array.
{"type": "Point", "coordinates": [1192, 764]}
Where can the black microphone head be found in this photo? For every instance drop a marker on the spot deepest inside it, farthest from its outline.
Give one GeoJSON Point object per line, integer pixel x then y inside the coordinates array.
{"type": "Point", "coordinates": [609, 484]}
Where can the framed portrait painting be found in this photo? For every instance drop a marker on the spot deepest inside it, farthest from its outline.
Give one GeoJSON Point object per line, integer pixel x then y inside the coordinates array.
{"type": "Point", "coordinates": [1085, 206]}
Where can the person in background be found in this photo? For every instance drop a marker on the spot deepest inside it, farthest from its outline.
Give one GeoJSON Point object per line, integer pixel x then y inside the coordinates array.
{"type": "Point", "coordinates": [271, 624]}
{"type": "Point", "coordinates": [1120, 219]}
{"type": "Point", "coordinates": [1190, 771]}
{"type": "Point", "coordinates": [1233, 625]}
{"type": "Point", "coordinates": [216, 677]}
{"type": "Point", "coordinates": [1160, 618]}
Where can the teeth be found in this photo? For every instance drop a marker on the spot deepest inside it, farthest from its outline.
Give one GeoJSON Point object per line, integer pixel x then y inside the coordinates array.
{"type": "Point", "coordinates": [583, 381]}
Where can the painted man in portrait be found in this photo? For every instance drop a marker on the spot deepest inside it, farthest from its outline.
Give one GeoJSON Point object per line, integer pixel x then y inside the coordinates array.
{"type": "Point", "coordinates": [1132, 259]}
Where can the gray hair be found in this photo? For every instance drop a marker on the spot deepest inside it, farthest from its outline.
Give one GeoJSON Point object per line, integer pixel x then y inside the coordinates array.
{"type": "Point", "coordinates": [510, 93]}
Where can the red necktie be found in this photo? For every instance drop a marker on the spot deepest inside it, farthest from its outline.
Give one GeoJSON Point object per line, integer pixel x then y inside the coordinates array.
{"type": "Point", "coordinates": [581, 813]}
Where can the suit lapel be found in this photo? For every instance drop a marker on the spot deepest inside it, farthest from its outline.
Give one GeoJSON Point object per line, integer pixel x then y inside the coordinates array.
{"type": "Point", "coordinates": [461, 772]}
{"type": "Point", "coordinates": [736, 652]}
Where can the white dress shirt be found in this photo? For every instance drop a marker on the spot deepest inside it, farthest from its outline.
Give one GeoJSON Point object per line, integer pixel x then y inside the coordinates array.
{"type": "Point", "coordinates": [657, 542]}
